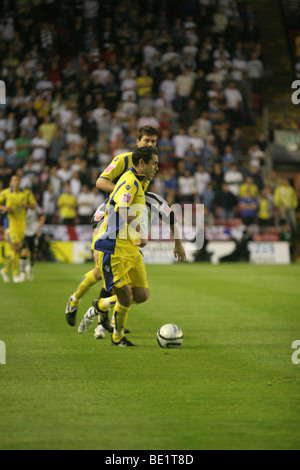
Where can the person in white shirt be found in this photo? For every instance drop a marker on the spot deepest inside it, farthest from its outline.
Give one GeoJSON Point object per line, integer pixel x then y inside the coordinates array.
{"type": "Point", "coordinates": [49, 203]}
{"type": "Point", "coordinates": [39, 147]}
{"type": "Point", "coordinates": [180, 141]}
{"type": "Point", "coordinates": [234, 178]}
{"type": "Point", "coordinates": [234, 101]}
{"type": "Point", "coordinates": [195, 140]}
{"type": "Point", "coordinates": [101, 72]}
{"type": "Point", "coordinates": [168, 87]}
{"type": "Point", "coordinates": [215, 76]}
{"type": "Point", "coordinates": [187, 187]}
{"type": "Point", "coordinates": [204, 124]}
{"type": "Point", "coordinates": [169, 55]}
{"type": "Point", "coordinates": [184, 88]}
{"type": "Point", "coordinates": [239, 68]}
{"type": "Point", "coordinates": [75, 184]}
{"type": "Point", "coordinates": [149, 51]}
{"type": "Point", "coordinates": [233, 96]}
{"type": "Point", "coordinates": [73, 136]}
{"type": "Point", "coordinates": [64, 173]}
{"type": "Point", "coordinates": [202, 179]}
{"type": "Point", "coordinates": [128, 87]}
{"type": "Point", "coordinates": [99, 112]}
{"type": "Point", "coordinates": [85, 203]}
{"type": "Point", "coordinates": [190, 48]}
{"type": "Point", "coordinates": [3, 127]}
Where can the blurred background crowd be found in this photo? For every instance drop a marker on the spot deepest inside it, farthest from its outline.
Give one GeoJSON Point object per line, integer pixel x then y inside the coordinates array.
{"type": "Point", "coordinates": [82, 76]}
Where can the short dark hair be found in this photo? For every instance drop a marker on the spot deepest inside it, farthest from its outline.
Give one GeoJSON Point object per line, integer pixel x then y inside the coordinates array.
{"type": "Point", "coordinates": [147, 130]}
{"type": "Point", "coordinates": [144, 153]}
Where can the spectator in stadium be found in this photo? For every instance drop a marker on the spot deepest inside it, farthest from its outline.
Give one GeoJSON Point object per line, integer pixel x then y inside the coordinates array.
{"type": "Point", "coordinates": [255, 173]}
{"type": "Point", "coordinates": [187, 187]}
{"type": "Point", "coordinates": [249, 185]}
{"type": "Point", "coordinates": [67, 206]}
{"type": "Point", "coordinates": [170, 184]}
{"type": "Point", "coordinates": [265, 208]}
{"type": "Point", "coordinates": [225, 203]}
{"type": "Point", "coordinates": [49, 203]}
{"type": "Point", "coordinates": [248, 207]}
{"type": "Point", "coordinates": [234, 178]}
{"type": "Point", "coordinates": [234, 102]}
{"type": "Point", "coordinates": [228, 159]}
{"type": "Point", "coordinates": [184, 88]}
{"type": "Point", "coordinates": [86, 205]}
{"type": "Point", "coordinates": [144, 83]}
{"type": "Point", "coordinates": [202, 179]}
{"type": "Point", "coordinates": [257, 156]}
{"type": "Point", "coordinates": [255, 72]}
{"type": "Point", "coordinates": [285, 200]}
{"type": "Point", "coordinates": [180, 142]}
{"type": "Point", "coordinates": [23, 148]}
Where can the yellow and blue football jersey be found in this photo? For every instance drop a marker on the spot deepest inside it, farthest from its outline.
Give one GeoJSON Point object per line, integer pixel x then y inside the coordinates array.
{"type": "Point", "coordinates": [120, 165]}
{"type": "Point", "coordinates": [115, 235]}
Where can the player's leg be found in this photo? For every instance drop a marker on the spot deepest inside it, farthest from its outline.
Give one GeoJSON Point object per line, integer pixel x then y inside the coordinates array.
{"type": "Point", "coordinates": [33, 244]}
{"type": "Point", "coordinates": [139, 281]}
{"type": "Point", "coordinates": [18, 235]}
{"type": "Point", "coordinates": [115, 270]}
{"type": "Point", "coordinates": [105, 302]}
{"type": "Point", "coordinates": [5, 271]}
{"type": "Point", "coordinates": [12, 260]}
{"type": "Point", "coordinates": [101, 305]}
{"type": "Point", "coordinates": [24, 257]}
{"type": "Point", "coordinates": [120, 315]}
{"type": "Point", "coordinates": [89, 280]}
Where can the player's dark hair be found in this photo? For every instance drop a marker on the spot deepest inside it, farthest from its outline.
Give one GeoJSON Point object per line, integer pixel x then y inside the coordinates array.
{"type": "Point", "coordinates": [144, 153]}
{"type": "Point", "coordinates": [147, 130]}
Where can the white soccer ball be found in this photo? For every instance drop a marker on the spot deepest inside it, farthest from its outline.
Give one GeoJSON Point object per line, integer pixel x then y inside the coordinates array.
{"type": "Point", "coordinates": [169, 336]}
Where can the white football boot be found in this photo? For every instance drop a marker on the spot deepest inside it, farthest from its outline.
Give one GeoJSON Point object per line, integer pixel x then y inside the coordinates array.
{"type": "Point", "coordinates": [87, 320]}
{"type": "Point", "coordinates": [99, 332]}
{"type": "Point", "coordinates": [4, 276]}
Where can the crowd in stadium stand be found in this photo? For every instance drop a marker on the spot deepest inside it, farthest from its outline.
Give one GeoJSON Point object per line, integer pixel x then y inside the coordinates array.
{"type": "Point", "coordinates": [82, 76]}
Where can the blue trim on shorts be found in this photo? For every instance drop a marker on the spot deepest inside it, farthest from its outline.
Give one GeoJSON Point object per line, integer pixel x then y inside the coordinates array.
{"type": "Point", "coordinates": [107, 271]}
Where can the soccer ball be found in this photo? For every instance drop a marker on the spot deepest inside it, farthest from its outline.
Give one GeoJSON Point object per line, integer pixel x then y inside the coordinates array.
{"type": "Point", "coordinates": [169, 336]}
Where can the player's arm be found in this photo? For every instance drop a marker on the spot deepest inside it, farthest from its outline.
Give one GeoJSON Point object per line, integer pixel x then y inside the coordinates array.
{"type": "Point", "coordinates": [112, 172]}
{"type": "Point", "coordinates": [105, 185]}
{"type": "Point", "coordinates": [42, 220]}
{"type": "Point", "coordinates": [30, 201]}
{"type": "Point", "coordinates": [179, 251]}
{"type": "Point", "coordinates": [167, 215]}
{"type": "Point", "coordinates": [3, 206]}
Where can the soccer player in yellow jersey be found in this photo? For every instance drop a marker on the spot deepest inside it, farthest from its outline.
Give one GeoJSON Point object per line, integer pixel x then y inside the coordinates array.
{"type": "Point", "coordinates": [120, 238]}
{"type": "Point", "coordinates": [147, 136]}
{"type": "Point", "coordinates": [14, 202]}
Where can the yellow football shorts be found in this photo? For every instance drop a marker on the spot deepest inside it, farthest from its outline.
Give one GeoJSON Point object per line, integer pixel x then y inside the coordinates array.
{"type": "Point", "coordinates": [15, 235]}
{"type": "Point", "coordinates": [118, 271]}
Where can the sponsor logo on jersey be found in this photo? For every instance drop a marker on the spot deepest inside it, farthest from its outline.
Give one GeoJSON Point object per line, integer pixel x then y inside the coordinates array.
{"type": "Point", "coordinates": [110, 168]}
{"type": "Point", "coordinates": [126, 198]}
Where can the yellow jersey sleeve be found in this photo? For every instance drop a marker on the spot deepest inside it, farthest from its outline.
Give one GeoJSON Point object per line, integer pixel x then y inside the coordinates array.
{"type": "Point", "coordinates": [119, 165]}
{"type": "Point", "coordinates": [29, 197]}
{"type": "Point", "coordinates": [2, 198]}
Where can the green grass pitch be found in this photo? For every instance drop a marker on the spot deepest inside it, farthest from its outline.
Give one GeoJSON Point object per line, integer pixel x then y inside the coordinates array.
{"type": "Point", "coordinates": [232, 385]}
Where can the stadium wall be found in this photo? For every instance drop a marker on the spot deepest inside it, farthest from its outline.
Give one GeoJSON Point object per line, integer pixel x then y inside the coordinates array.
{"type": "Point", "coordinates": [161, 252]}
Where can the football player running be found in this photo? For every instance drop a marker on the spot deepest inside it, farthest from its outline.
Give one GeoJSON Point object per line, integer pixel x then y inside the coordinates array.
{"type": "Point", "coordinates": [147, 136]}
